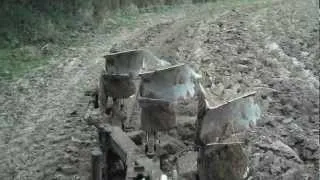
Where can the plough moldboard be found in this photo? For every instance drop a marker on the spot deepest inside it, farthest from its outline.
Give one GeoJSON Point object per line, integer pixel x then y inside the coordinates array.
{"type": "Point", "coordinates": [158, 87]}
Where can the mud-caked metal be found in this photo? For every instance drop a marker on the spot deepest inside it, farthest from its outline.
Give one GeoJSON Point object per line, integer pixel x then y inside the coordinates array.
{"type": "Point", "coordinates": [170, 84]}
{"type": "Point", "coordinates": [159, 93]}
{"type": "Point", "coordinates": [216, 124]}
{"type": "Point", "coordinates": [119, 80]}
{"type": "Point", "coordinates": [160, 90]}
{"type": "Point", "coordinates": [120, 70]}
{"type": "Point", "coordinates": [116, 145]}
{"type": "Point", "coordinates": [221, 153]}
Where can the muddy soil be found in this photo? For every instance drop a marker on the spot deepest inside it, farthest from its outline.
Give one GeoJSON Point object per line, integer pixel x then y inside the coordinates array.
{"type": "Point", "coordinates": [266, 46]}
{"type": "Point", "coordinates": [271, 48]}
{"type": "Point", "coordinates": [44, 132]}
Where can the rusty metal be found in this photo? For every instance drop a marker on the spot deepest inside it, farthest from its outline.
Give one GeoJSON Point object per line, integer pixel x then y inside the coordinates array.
{"type": "Point", "coordinates": [113, 139]}
{"type": "Point", "coordinates": [96, 164]}
{"type": "Point", "coordinates": [104, 142]}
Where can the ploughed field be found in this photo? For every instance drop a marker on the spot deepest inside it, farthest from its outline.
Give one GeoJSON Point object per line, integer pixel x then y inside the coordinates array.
{"type": "Point", "coordinates": [271, 47]}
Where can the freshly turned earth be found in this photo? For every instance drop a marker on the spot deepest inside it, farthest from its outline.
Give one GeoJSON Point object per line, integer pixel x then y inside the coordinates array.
{"type": "Point", "coordinates": [271, 47]}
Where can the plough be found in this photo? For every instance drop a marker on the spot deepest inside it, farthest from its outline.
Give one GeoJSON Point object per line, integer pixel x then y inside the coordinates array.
{"type": "Point", "coordinates": [158, 87]}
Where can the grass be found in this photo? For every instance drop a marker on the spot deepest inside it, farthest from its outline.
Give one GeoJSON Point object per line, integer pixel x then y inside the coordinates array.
{"type": "Point", "coordinates": [56, 27]}
{"type": "Point", "coordinates": [16, 59]}
{"type": "Point", "coordinates": [16, 62]}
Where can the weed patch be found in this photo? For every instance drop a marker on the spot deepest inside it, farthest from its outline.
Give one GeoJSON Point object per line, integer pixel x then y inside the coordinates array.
{"type": "Point", "coordinates": [16, 62]}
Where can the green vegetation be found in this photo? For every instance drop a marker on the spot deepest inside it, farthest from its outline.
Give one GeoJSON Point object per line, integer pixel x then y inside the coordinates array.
{"type": "Point", "coordinates": [27, 22]}
{"type": "Point", "coordinates": [16, 62]}
{"type": "Point", "coordinates": [28, 25]}
{"type": "Point", "coordinates": [36, 23]}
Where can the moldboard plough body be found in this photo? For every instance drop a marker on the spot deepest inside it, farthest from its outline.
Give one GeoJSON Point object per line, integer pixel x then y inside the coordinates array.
{"type": "Point", "coordinates": [159, 87]}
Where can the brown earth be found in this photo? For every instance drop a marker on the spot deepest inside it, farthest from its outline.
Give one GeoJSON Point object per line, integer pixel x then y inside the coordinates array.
{"type": "Point", "coordinates": [268, 46]}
